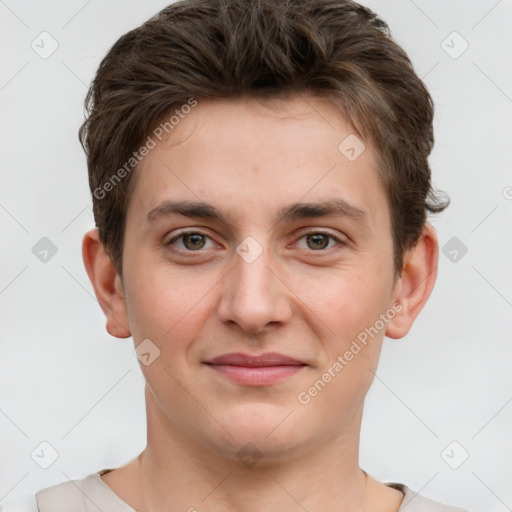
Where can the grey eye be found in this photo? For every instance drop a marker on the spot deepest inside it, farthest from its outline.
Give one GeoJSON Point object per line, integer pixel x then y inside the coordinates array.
{"type": "Point", "coordinates": [317, 241]}
{"type": "Point", "coordinates": [193, 241]}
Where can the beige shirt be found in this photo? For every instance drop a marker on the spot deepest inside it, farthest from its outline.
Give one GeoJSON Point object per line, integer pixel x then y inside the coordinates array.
{"type": "Point", "coordinates": [92, 494]}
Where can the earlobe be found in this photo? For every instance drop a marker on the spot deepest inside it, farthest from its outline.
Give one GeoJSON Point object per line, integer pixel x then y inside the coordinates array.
{"type": "Point", "coordinates": [106, 283]}
{"type": "Point", "coordinates": [416, 283]}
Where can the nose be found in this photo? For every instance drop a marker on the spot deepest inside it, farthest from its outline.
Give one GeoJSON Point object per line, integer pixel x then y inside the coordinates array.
{"type": "Point", "coordinates": [254, 295]}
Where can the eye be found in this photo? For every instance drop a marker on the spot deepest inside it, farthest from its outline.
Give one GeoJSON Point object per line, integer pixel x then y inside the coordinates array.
{"type": "Point", "coordinates": [318, 240]}
{"type": "Point", "coordinates": [190, 241]}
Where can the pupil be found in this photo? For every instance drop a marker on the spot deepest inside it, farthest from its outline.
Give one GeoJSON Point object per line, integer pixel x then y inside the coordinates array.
{"type": "Point", "coordinates": [317, 239]}
{"type": "Point", "coordinates": [197, 241]}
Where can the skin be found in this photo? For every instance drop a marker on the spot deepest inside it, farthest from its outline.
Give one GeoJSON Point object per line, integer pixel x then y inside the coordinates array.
{"type": "Point", "coordinates": [302, 298]}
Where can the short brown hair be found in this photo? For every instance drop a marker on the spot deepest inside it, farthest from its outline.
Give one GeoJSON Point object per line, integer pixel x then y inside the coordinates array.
{"type": "Point", "coordinates": [218, 49]}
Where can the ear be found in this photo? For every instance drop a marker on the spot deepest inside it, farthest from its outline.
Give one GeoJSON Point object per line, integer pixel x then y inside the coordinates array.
{"type": "Point", "coordinates": [107, 284]}
{"type": "Point", "coordinates": [415, 285]}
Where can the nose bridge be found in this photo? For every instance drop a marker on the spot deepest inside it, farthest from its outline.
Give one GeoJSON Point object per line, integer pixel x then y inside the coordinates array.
{"type": "Point", "coordinates": [252, 295]}
{"type": "Point", "coordinates": [254, 275]}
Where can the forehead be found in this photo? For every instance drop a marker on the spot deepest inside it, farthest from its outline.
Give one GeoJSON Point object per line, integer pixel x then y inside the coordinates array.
{"type": "Point", "coordinates": [249, 155]}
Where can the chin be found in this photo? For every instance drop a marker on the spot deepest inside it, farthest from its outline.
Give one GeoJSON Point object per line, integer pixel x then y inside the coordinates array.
{"type": "Point", "coordinates": [264, 431]}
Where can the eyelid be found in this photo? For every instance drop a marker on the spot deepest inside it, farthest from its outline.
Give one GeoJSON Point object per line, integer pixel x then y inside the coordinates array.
{"type": "Point", "coordinates": [338, 239]}
{"type": "Point", "coordinates": [187, 231]}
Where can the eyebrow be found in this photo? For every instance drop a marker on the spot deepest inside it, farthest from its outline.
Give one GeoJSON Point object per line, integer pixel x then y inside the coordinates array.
{"type": "Point", "coordinates": [200, 210]}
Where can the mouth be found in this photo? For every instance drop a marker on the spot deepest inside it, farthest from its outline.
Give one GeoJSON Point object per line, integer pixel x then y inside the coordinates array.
{"type": "Point", "coordinates": [261, 370]}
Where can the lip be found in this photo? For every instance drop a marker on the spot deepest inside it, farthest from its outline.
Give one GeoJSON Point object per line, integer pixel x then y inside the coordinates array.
{"type": "Point", "coordinates": [256, 370]}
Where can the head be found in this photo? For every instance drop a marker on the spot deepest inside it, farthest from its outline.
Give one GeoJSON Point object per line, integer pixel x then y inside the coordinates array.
{"type": "Point", "coordinates": [301, 133]}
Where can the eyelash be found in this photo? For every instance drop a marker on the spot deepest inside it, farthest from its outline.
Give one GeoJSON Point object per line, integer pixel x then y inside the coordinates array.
{"type": "Point", "coordinates": [314, 232]}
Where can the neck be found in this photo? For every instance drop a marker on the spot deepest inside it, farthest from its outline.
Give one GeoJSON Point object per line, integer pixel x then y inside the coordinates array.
{"type": "Point", "coordinates": [177, 474]}
{"type": "Point", "coordinates": [273, 490]}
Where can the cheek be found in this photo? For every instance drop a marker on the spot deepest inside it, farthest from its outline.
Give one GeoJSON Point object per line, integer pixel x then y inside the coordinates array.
{"type": "Point", "coordinates": [165, 304]}
{"type": "Point", "coordinates": [349, 304]}
{"type": "Point", "coordinates": [346, 301]}
{"type": "Point", "coordinates": [352, 353]}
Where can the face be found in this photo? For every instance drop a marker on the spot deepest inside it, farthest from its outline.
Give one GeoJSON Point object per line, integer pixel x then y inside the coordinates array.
{"type": "Point", "coordinates": [256, 254]}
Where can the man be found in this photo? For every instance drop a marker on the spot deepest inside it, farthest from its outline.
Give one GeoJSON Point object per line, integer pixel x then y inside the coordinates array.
{"type": "Point", "coordinates": [260, 186]}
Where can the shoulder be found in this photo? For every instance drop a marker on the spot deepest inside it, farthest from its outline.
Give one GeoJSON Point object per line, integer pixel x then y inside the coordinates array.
{"type": "Point", "coordinates": [415, 502]}
{"type": "Point", "coordinates": [61, 497]}
{"type": "Point", "coordinates": [58, 498]}
{"type": "Point", "coordinates": [87, 495]}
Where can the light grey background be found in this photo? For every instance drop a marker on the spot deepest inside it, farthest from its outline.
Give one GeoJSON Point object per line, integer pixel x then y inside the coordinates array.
{"type": "Point", "coordinates": [65, 381]}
